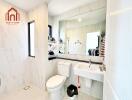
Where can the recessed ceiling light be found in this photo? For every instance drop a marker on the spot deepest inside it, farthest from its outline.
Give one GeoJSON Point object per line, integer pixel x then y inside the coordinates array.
{"type": "Point", "coordinates": [79, 19]}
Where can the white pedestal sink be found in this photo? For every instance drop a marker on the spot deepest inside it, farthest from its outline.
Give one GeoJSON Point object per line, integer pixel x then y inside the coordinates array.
{"type": "Point", "coordinates": [93, 72]}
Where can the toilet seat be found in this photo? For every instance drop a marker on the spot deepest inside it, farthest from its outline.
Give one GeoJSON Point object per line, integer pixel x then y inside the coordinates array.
{"type": "Point", "coordinates": [55, 81]}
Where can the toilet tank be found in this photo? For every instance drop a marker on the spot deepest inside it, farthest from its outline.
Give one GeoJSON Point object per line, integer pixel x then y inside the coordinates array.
{"type": "Point", "coordinates": [64, 68]}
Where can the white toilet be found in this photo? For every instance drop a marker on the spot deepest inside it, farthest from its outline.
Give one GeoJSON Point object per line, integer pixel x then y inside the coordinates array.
{"type": "Point", "coordinates": [55, 85]}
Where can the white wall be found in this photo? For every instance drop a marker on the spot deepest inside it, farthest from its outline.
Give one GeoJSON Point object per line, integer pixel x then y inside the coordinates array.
{"type": "Point", "coordinates": [118, 82]}
{"type": "Point", "coordinates": [50, 20]}
{"type": "Point", "coordinates": [40, 62]}
{"type": "Point", "coordinates": [16, 68]}
{"type": "Point", "coordinates": [14, 62]}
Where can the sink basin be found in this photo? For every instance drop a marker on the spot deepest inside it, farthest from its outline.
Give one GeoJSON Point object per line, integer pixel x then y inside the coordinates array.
{"type": "Point", "coordinates": [93, 72]}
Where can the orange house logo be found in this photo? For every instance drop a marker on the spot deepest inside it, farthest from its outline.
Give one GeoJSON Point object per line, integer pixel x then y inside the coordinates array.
{"type": "Point", "coordinates": [12, 16]}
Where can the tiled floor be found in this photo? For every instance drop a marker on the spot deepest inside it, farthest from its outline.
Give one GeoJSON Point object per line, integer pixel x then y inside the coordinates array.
{"type": "Point", "coordinates": [81, 96]}
{"type": "Point", "coordinates": [34, 93]}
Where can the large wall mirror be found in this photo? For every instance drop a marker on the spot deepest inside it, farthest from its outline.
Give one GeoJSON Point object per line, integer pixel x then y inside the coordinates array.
{"type": "Point", "coordinates": [80, 31]}
{"type": "Point", "coordinates": [83, 34]}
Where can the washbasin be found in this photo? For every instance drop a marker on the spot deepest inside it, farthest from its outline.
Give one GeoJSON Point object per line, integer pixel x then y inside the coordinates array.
{"type": "Point", "coordinates": [89, 71]}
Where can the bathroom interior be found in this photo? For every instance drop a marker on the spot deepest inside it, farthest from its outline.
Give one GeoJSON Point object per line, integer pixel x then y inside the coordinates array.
{"type": "Point", "coordinates": [65, 49]}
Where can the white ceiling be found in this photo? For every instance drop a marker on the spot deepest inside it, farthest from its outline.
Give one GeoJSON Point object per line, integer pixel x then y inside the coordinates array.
{"type": "Point", "coordinates": [57, 7]}
{"type": "Point", "coordinates": [99, 15]}
{"type": "Point", "coordinates": [26, 5]}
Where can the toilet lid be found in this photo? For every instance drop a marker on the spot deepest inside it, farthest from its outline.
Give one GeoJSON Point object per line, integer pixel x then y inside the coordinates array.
{"type": "Point", "coordinates": [55, 81]}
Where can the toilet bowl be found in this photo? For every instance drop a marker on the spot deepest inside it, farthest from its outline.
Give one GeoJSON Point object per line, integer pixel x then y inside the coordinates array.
{"type": "Point", "coordinates": [55, 87]}
{"type": "Point", "coordinates": [55, 84]}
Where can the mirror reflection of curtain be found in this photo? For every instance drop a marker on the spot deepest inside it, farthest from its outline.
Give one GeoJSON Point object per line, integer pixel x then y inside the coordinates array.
{"type": "Point", "coordinates": [102, 48]}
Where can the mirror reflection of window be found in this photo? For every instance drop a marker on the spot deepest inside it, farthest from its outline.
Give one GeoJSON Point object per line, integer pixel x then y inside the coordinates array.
{"type": "Point", "coordinates": [92, 43]}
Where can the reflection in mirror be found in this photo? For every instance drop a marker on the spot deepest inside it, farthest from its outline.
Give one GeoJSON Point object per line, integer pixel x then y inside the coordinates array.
{"type": "Point", "coordinates": [79, 30]}
{"type": "Point", "coordinates": [82, 36]}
